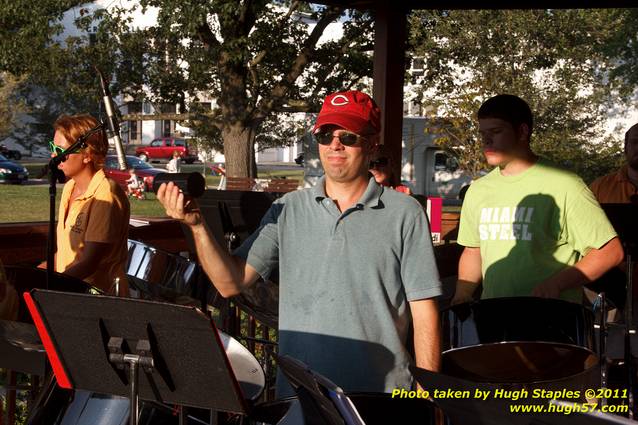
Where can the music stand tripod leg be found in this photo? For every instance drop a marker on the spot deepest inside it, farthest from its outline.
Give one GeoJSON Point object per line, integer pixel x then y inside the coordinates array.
{"type": "Point", "coordinates": [628, 332]}
{"type": "Point", "coordinates": [602, 344]}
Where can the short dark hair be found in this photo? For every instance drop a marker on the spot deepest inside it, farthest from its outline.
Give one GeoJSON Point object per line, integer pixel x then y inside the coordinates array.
{"type": "Point", "coordinates": [632, 128]}
{"type": "Point", "coordinates": [507, 107]}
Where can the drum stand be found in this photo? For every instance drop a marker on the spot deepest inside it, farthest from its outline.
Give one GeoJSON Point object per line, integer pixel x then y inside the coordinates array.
{"type": "Point", "coordinates": [602, 342]}
{"type": "Point", "coordinates": [629, 331]}
{"type": "Point", "coordinates": [623, 218]}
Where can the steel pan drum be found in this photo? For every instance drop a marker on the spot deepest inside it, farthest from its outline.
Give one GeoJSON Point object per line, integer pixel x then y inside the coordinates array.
{"type": "Point", "coordinates": [517, 340]}
{"type": "Point", "coordinates": [261, 300]}
{"type": "Point", "coordinates": [246, 368]}
{"type": "Point", "coordinates": [20, 346]}
{"type": "Point", "coordinates": [161, 276]}
{"type": "Point", "coordinates": [22, 279]}
{"type": "Point", "coordinates": [374, 408]}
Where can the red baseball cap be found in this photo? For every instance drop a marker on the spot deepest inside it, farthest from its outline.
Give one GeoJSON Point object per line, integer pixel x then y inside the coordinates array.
{"type": "Point", "coordinates": [352, 110]}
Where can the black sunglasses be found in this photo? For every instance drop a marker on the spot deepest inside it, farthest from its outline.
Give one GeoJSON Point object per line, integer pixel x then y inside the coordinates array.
{"type": "Point", "coordinates": [379, 162]}
{"type": "Point", "coordinates": [346, 139]}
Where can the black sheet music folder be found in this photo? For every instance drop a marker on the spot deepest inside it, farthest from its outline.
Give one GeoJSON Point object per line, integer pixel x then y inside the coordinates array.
{"type": "Point", "coordinates": [191, 367]}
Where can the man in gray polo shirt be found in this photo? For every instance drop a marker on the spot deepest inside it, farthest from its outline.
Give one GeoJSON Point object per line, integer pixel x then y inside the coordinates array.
{"type": "Point", "coordinates": [355, 259]}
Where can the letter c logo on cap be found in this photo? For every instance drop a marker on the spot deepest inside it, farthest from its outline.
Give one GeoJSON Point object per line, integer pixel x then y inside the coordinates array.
{"type": "Point", "coordinates": [339, 100]}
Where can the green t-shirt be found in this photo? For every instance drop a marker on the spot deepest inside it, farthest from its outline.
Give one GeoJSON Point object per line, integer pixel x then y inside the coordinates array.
{"type": "Point", "coordinates": [531, 226]}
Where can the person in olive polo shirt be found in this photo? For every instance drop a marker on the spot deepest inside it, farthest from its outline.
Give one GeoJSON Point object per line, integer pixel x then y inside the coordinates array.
{"type": "Point", "coordinates": [355, 259]}
{"type": "Point", "coordinates": [528, 227]}
{"type": "Point", "coordinates": [94, 211]}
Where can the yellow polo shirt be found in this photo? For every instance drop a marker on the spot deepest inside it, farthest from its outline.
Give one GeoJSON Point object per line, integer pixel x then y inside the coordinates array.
{"type": "Point", "coordinates": [101, 214]}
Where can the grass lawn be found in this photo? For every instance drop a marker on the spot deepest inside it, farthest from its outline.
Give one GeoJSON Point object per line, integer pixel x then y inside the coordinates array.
{"type": "Point", "coordinates": [27, 203]}
{"type": "Point", "coordinates": [31, 203]}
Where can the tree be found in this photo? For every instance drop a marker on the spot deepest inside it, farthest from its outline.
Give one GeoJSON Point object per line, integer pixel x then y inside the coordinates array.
{"type": "Point", "coordinates": [10, 104]}
{"type": "Point", "coordinates": [53, 79]}
{"type": "Point", "coordinates": [624, 49]}
{"type": "Point", "coordinates": [252, 58]}
{"type": "Point", "coordinates": [30, 49]}
{"type": "Point", "coordinates": [554, 59]}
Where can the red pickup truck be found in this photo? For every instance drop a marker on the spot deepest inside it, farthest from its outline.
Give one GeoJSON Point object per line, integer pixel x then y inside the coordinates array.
{"type": "Point", "coordinates": [163, 148]}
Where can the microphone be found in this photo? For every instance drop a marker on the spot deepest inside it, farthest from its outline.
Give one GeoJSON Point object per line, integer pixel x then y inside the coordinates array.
{"type": "Point", "coordinates": [191, 184]}
{"type": "Point", "coordinates": [113, 126]}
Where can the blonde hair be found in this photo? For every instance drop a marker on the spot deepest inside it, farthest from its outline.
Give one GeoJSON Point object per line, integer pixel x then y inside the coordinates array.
{"type": "Point", "coordinates": [74, 126]}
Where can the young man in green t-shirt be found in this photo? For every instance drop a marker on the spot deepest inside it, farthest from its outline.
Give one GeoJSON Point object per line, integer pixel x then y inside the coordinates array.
{"type": "Point", "coordinates": [528, 227]}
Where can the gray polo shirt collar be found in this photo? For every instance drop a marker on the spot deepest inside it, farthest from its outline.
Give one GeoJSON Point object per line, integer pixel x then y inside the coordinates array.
{"type": "Point", "coordinates": [371, 197]}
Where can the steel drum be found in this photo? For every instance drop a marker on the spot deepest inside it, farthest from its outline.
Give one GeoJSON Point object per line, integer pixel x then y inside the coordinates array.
{"type": "Point", "coordinates": [246, 368]}
{"type": "Point", "coordinates": [517, 340]}
{"type": "Point", "coordinates": [374, 409]}
{"type": "Point", "coordinates": [261, 300]}
{"type": "Point", "coordinates": [20, 279]}
{"type": "Point", "coordinates": [161, 276]}
{"type": "Point", "coordinates": [20, 346]}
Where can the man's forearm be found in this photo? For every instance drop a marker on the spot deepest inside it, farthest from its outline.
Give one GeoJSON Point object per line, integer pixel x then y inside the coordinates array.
{"type": "Point", "coordinates": [427, 334]}
{"type": "Point", "coordinates": [225, 271]}
{"type": "Point", "coordinates": [469, 275]}
{"type": "Point", "coordinates": [599, 261]}
{"type": "Point", "coordinates": [591, 267]}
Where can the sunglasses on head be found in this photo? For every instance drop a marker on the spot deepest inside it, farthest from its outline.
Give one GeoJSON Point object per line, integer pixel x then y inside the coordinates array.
{"type": "Point", "coordinates": [379, 162]}
{"type": "Point", "coordinates": [346, 139]}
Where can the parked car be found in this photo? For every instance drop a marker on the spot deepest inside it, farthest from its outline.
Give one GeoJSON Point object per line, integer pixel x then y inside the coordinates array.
{"type": "Point", "coordinates": [164, 147]}
{"type": "Point", "coordinates": [144, 171]}
{"type": "Point", "coordinates": [10, 153]}
{"type": "Point", "coordinates": [12, 172]}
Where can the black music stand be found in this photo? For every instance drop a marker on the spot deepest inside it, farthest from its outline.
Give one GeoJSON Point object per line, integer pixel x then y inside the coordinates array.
{"type": "Point", "coordinates": [121, 346]}
{"type": "Point", "coordinates": [232, 217]}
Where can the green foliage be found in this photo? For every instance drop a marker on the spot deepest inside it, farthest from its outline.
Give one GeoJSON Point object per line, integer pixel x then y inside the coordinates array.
{"type": "Point", "coordinates": [624, 47]}
{"type": "Point", "coordinates": [11, 105]}
{"type": "Point", "coordinates": [251, 58]}
{"type": "Point", "coordinates": [554, 59]}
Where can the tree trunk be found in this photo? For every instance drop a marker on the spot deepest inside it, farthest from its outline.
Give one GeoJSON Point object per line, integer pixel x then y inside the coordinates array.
{"type": "Point", "coordinates": [253, 161]}
{"type": "Point", "coordinates": [239, 146]}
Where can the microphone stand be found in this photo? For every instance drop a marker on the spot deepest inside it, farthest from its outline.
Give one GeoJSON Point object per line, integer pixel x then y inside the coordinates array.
{"type": "Point", "coordinates": [53, 166]}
